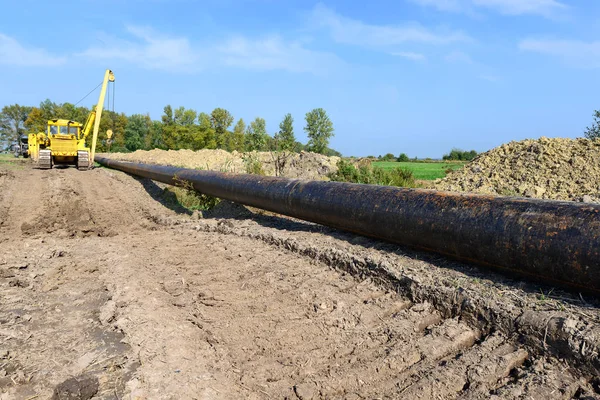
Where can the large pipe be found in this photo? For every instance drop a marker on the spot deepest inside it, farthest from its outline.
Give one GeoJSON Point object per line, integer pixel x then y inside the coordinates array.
{"type": "Point", "coordinates": [557, 242]}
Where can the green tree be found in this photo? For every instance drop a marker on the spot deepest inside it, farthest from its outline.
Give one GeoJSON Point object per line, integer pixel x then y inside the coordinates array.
{"type": "Point", "coordinates": [49, 108]}
{"type": "Point", "coordinates": [185, 117]}
{"type": "Point", "coordinates": [168, 131]}
{"type": "Point", "coordinates": [206, 127]}
{"type": "Point", "coordinates": [460, 155]}
{"type": "Point", "coordinates": [593, 132]}
{"type": "Point", "coordinates": [115, 122]}
{"type": "Point", "coordinates": [179, 128]}
{"type": "Point", "coordinates": [282, 145]}
{"type": "Point", "coordinates": [227, 141]}
{"type": "Point", "coordinates": [71, 112]}
{"type": "Point", "coordinates": [12, 122]}
{"type": "Point", "coordinates": [187, 134]}
{"type": "Point", "coordinates": [195, 138]}
{"type": "Point", "coordinates": [221, 120]}
{"type": "Point", "coordinates": [331, 152]}
{"type": "Point", "coordinates": [36, 121]}
{"type": "Point", "coordinates": [154, 138]}
{"type": "Point", "coordinates": [256, 135]}
{"type": "Point", "coordinates": [167, 117]}
{"type": "Point", "coordinates": [119, 122]}
{"type": "Point", "coordinates": [136, 130]}
{"type": "Point", "coordinates": [319, 129]}
{"type": "Point", "coordinates": [239, 139]}
{"type": "Point", "coordinates": [285, 137]}
{"type": "Point", "coordinates": [403, 158]}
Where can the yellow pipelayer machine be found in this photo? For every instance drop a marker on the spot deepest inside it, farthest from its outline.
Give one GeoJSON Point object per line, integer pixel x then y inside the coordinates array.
{"type": "Point", "coordinates": [64, 140]}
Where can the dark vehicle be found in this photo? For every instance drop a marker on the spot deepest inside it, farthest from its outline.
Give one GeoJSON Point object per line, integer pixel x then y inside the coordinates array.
{"type": "Point", "coordinates": [21, 148]}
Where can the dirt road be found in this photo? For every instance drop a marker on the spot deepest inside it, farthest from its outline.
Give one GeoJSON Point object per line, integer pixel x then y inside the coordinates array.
{"type": "Point", "coordinates": [108, 294]}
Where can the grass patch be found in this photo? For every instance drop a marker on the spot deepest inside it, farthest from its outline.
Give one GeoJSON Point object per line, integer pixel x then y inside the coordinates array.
{"type": "Point", "coordinates": [186, 197]}
{"type": "Point", "coordinates": [10, 161]}
{"type": "Point", "coordinates": [5, 158]}
{"type": "Point", "coordinates": [427, 171]}
{"type": "Point", "coordinates": [190, 200]}
{"type": "Point", "coordinates": [253, 165]}
{"type": "Point", "coordinates": [374, 175]}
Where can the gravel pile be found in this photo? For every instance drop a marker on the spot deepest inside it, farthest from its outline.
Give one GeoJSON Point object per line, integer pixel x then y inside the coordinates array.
{"type": "Point", "coordinates": [558, 169]}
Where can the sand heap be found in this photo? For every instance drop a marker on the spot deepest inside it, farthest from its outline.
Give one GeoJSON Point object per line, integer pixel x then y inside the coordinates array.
{"type": "Point", "coordinates": [302, 165]}
{"type": "Point", "coordinates": [559, 169]}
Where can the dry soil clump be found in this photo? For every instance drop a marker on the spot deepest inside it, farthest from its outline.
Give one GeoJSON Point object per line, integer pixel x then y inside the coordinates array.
{"type": "Point", "coordinates": [109, 293]}
{"type": "Point", "coordinates": [301, 165]}
{"type": "Point", "coordinates": [557, 169]}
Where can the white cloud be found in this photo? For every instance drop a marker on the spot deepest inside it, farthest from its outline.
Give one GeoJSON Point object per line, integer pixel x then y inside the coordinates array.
{"type": "Point", "coordinates": [150, 50]}
{"type": "Point", "coordinates": [153, 50]}
{"type": "Point", "coordinates": [474, 67]}
{"type": "Point", "coordinates": [458, 57]}
{"type": "Point", "coordinates": [573, 52]}
{"type": "Point", "coordinates": [13, 53]}
{"type": "Point", "coordinates": [355, 32]}
{"type": "Point", "coordinates": [519, 7]}
{"type": "Point", "coordinates": [274, 53]}
{"type": "Point", "coordinates": [409, 55]}
{"type": "Point", "coordinates": [546, 8]}
{"type": "Point", "coordinates": [443, 5]}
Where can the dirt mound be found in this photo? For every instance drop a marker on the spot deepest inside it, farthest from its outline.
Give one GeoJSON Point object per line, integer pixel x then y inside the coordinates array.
{"type": "Point", "coordinates": [172, 306]}
{"type": "Point", "coordinates": [302, 165]}
{"type": "Point", "coordinates": [558, 169]}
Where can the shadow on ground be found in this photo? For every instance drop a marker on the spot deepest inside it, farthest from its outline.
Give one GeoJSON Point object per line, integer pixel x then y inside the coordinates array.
{"type": "Point", "coordinates": [164, 197]}
{"type": "Point", "coordinates": [229, 210]}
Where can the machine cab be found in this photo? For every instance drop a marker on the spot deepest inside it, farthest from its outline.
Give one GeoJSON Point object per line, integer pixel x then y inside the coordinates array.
{"type": "Point", "coordinates": [64, 128]}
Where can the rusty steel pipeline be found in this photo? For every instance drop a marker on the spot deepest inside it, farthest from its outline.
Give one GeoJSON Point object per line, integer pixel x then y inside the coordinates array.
{"type": "Point", "coordinates": [556, 242]}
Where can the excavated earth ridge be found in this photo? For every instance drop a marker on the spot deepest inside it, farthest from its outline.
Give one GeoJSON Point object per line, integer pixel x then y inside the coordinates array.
{"type": "Point", "coordinates": [303, 165]}
{"type": "Point", "coordinates": [109, 293]}
{"type": "Point", "coordinates": [557, 169]}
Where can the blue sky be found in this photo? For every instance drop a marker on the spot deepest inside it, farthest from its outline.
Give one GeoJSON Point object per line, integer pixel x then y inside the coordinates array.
{"type": "Point", "coordinates": [413, 76]}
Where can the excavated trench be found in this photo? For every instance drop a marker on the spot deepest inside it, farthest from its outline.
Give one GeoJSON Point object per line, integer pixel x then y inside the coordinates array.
{"type": "Point", "coordinates": [102, 282]}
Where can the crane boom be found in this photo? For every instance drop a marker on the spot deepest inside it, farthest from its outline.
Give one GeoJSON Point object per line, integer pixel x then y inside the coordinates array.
{"type": "Point", "coordinates": [108, 76]}
{"type": "Point", "coordinates": [87, 128]}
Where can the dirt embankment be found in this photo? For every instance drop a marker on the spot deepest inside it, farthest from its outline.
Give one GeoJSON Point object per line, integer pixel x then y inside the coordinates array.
{"type": "Point", "coordinates": [557, 169]}
{"type": "Point", "coordinates": [302, 165]}
{"type": "Point", "coordinates": [107, 293]}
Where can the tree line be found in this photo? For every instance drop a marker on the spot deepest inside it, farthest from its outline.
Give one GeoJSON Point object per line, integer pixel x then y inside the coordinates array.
{"type": "Point", "coordinates": [459, 155]}
{"type": "Point", "coordinates": [178, 128]}
{"type": "Point", "coordinates": [593, 131]}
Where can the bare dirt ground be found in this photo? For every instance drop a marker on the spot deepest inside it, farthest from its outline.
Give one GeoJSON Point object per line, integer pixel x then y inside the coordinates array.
{"type": "Point", "coordinates": [108, 294]}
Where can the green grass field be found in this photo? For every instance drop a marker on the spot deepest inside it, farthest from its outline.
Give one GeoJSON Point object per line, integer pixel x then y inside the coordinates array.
{"type": "Point", "coordinates": [8, 161]}
{"type": "Point", "coordinates": [422, 170]}
{"type": "Point", "coordinates": [6, 158]}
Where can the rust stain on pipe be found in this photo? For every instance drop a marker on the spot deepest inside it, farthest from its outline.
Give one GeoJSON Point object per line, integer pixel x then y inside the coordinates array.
{"type": "Point", "coordinates": [553, 241]}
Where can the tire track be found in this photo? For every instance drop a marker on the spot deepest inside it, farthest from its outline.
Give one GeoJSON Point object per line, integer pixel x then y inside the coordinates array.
{"type": "Point", "coordinates": [544, 333]}
{"type": "Point", "coordinates": [231, 309]}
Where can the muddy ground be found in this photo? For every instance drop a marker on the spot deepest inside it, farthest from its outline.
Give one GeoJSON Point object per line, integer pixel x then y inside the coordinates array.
{"type": "Point", "coordinates": [106, 293]}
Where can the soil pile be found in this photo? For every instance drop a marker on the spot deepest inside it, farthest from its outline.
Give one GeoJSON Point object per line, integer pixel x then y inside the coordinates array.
{"type": "Point", "coordinates": [109, 293]}
{"type": "Point", "coordinates": [558, 169]}
{"type": "Point", "coordinates": [302, 165]}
